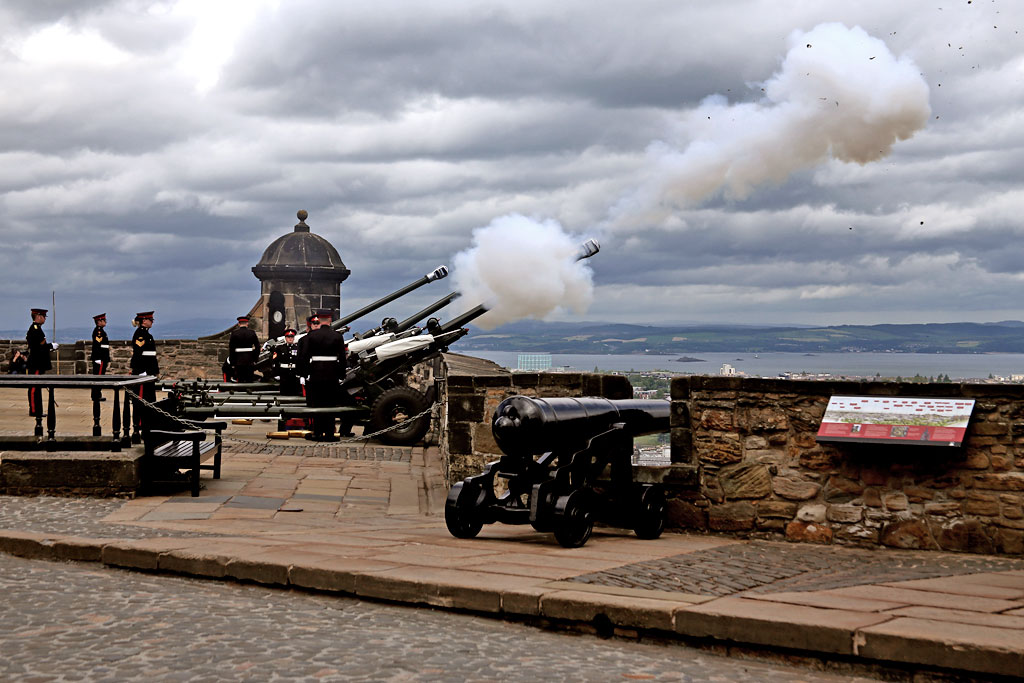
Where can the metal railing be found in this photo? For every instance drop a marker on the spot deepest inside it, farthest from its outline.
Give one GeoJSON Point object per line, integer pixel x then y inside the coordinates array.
{"type": "Point", "coordinates": [121, 422]}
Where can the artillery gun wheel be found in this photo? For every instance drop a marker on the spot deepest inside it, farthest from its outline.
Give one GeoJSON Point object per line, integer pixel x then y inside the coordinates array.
{"type": "Point", "coordinates": [397, 405]}
{"type": "Point", "coordinates": [574, 518]}
{"type": "Point", "coordinates": [460, 511]}
{"type": "Point", "coordinates": [650, 513]}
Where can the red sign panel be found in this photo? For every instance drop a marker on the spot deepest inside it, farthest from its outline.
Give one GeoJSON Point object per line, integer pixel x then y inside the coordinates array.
{"type": "Point", "coordinates": [918, 421]}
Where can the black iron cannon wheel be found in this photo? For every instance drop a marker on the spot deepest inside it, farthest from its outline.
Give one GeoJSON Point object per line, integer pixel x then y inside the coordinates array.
{"type": "Point", "coordinates": [462, 510]}
{"type": "Point", "coordinates": [649, 521]}
{"type": "Point", "coordinates": [574, 518]}
{"type": "Point", "coordinates": [395, 406]}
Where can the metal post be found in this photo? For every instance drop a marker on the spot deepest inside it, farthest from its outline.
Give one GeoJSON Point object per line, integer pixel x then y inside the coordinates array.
{"type": "Point", "coordinates": [51, 417]}
{"type": "Point", "coordinates": [117, 419]}
{"type": "Point", "coordinates": [126, 419]}
{"type": "Point", "coordinates": [96, 431]}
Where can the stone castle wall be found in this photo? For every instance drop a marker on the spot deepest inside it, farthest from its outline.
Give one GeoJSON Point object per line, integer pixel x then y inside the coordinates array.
{"type": "Point", "coordinates": [179, 358]}
{"type": "Point", "coordinates": [762, 473]}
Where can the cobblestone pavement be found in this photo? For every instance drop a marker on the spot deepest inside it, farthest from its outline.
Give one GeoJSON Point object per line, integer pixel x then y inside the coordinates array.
{"type": "Point", "coordinates": [69, 622]}
{"type": "Point", "coordinates": [765, 566]}
{"type": "Point", "coordinates": [302, 448]}
{"type": "Point", "coordinates": [74, 516]}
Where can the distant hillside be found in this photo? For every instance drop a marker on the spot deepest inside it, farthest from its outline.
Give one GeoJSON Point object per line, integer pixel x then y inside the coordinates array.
{"type": "Point", "coordinates": [603, 338]}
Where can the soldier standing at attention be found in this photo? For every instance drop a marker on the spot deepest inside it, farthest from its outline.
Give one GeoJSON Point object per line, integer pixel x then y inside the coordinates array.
{"type": "Point", "coordinates": [100, 355]}
{"type": "Point", "coordinates": [38, 358]}
{"type": "Point", "coordinates": [286, 357]}
{"type": "Point", "coordinates": [144, 362]}
{"type": "Point", "coordinates": [322, 355]}
{"type": "Point", "coordinates": [243, 345]}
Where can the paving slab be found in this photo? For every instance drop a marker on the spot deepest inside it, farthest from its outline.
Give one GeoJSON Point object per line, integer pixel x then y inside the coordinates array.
{"type": "Point", "coordinates": [777, 625]}
{"type": "Point", "coordinates": [946, 644]}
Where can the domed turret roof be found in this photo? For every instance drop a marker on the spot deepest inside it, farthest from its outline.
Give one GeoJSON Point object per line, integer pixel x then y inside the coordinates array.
{"type": "Point", "coordinates": [301, 255]}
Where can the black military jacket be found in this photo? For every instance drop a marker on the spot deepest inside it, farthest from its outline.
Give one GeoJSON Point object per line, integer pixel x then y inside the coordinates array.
{"type": "Point", "coordinates": [286, 360]}
{"type": "Point", "coordinates": [100, 345]}
{"type": "Point", "coordinates": [322, 356]}
{"type": "Point", "coordinates": [38, 349]}
{"type": "Point", "coordinates": [144, 353]}
{"type": "Point", "coordinates": [244, 346]}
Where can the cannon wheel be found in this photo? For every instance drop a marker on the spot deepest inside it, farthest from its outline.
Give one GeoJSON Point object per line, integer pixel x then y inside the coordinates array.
{"type": "Point", "coordinates": [574, 519]}
{"type": "Point", "coordinates": [650, 513]}
{"type": "Point", "coordinates": [460, 511]}
{"type": "Point", "coordinates": [397, 405]}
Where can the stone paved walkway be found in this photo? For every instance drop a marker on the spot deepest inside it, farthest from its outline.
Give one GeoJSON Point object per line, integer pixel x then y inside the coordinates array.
{"type": "Point", "coordinates": [374, 528]}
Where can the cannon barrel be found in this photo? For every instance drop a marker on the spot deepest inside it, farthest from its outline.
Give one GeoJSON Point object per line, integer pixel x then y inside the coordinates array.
{"type": "Point", "coordinates": [429, 310]}
{"type": "Point", "coordinates": [524, 426]}
{"type": "Point", "coordinates": [464, 319]}
{"type": "Point", "coordinates": [437, 274]}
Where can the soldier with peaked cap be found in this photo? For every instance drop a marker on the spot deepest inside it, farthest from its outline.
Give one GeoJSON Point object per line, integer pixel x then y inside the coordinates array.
{"type": "Point", "coordinates": [144, 360]}
{"type": "Point", "coordinates": [243, 349]}
{"type": "Point", "coordinates": [322, 356]}
{"type": "Point", "coordinates": [100, 355]}
{"type": "Point", "coordinates": [286, 359]}
{"type": "Point", "coordinates": [38, 358]}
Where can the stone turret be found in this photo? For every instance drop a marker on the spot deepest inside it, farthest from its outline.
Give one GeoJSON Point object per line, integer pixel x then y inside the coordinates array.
{"type": "Point", "coordinates": [299, 272]}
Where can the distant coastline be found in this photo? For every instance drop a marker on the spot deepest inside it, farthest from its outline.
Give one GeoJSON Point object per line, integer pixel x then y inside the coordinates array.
{"type": "Point", "coordinates": [689, 359]}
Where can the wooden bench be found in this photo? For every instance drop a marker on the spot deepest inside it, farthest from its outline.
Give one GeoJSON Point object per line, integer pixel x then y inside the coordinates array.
{"type": "Point", "coordinates": [172, 445]}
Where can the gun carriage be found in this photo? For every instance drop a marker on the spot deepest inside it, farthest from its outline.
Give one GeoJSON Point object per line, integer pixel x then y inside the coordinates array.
{"type": "Point", "coordinates": [374, 392]}
{"type": "Point", "coordinates": [557, 452]}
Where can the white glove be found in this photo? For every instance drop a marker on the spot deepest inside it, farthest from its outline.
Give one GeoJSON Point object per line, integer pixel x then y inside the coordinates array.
{"type": "Point", "coordinates": [143, 374]}
{"type": "Point", "coordinates": [302, 381]}
{"type": "Point", "coordinates": [55, 346]}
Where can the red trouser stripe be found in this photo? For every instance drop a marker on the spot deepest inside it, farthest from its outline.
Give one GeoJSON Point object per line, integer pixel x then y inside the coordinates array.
{"type": "Point", "coordinates": [32, 395]}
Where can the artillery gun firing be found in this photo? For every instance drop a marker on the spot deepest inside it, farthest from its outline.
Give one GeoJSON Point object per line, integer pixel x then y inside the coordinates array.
{"type": "Point", "coordinates": [374, 391]}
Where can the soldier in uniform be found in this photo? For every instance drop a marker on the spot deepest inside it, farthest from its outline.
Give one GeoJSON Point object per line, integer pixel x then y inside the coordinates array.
{"type": "Point", "coordinates": [38, 358]}
{"type": "Point", "coordinates": [286, 358]}
{"type": "Point", "coordinates": [144, 360]}
{"type": "Point", "coordinates": [244, 346]}
{"type": "Point", "coordinates": [100, 355]}
{"type": "Point", "coordinates": [322, 357]}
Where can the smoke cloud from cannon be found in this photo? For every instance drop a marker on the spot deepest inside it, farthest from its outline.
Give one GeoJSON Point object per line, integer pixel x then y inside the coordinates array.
{"type": "Point", "coordinates": [523, 268]}
{"type": "Point", "coordinates": [838, 94]}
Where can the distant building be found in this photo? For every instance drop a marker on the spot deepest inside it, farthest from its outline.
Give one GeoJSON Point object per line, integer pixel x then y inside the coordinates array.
{"type": "Point", "coordinates": [727, 370]}
{"type": "Point", "coordinates": [535, 361]}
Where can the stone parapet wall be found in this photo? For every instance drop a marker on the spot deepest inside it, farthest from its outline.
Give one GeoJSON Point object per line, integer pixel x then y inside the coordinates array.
{"type": "Point", "coordinates": [762, 472]}
{"type": "Point", "coordinates": [473, 388]}
{"type": "Point", "coordinates": [179, 358]}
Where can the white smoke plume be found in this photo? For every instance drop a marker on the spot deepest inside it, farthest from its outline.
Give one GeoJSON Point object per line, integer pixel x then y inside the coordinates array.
{"type": "Point", "coordinates": [839, 93]}
{"type": "Point", "coordinates": [523, 268]}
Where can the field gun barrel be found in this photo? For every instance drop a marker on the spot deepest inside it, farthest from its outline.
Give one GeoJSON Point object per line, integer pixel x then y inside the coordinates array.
{"type": "Point", "coordinates": [429, 310]}
{"type": "Point", "coordinates": [438, 273]}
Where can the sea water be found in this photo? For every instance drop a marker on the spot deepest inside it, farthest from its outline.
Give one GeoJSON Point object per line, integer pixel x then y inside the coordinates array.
{"type": "Point", "coordinates": [772, 364]}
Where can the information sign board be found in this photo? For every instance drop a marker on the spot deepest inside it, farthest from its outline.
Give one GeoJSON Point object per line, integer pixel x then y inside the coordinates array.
{"type": "Point", "coordinates": [889, 419]}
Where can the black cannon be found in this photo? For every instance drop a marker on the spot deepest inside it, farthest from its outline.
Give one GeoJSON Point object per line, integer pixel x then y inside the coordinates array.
{"type": "Point", "coordinates": [557, 452]}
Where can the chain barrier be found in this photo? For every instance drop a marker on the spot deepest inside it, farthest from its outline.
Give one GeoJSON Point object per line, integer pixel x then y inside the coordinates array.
{"type": "Point", "coordinates": [193, 424]}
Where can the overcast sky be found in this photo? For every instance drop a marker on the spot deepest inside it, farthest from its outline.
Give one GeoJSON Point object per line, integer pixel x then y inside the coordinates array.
{"type": "Point", "coordinates": [152, 150]}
